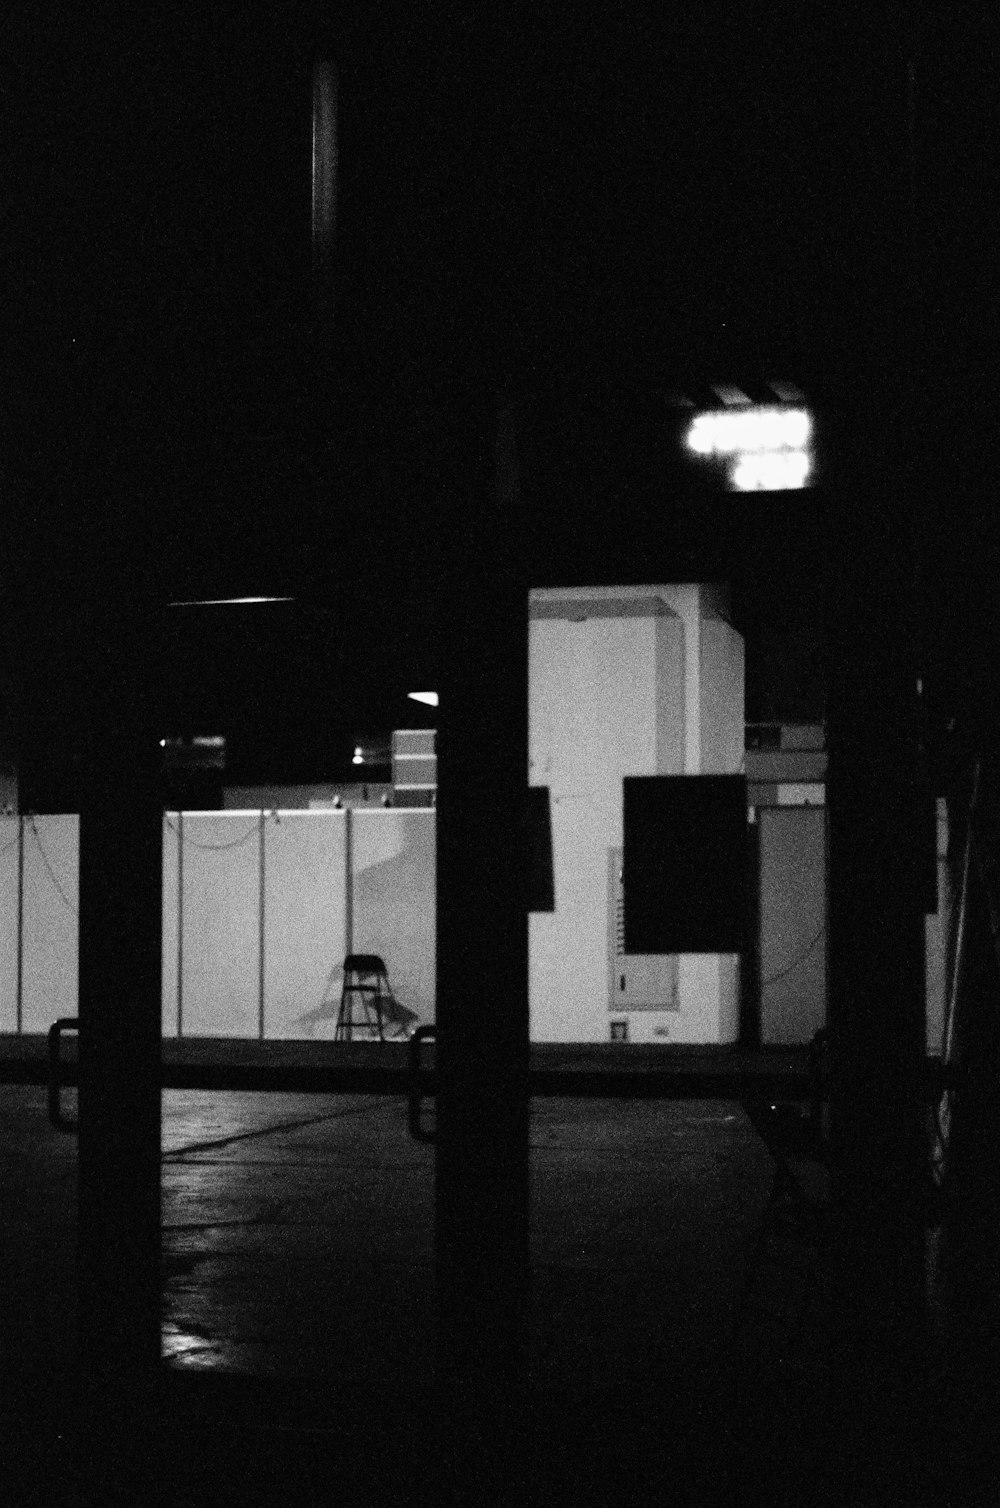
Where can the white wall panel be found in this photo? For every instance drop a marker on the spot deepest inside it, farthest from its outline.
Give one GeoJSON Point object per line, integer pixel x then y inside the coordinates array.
{"type": "Point", "coordinates": [8, 923]}
{"type": "Point", "coordinates": [395, 912]}
{"type": "Point", "coordinates": [792, 922]}
{"type": "Point", "coordinates": [51, 900]}
{"type": "Point", "coordinates": [220, 984]}
{"type": "Point", "coordinates": [305, 913]}
{"type": "Point", "coordinates": [171, 918]}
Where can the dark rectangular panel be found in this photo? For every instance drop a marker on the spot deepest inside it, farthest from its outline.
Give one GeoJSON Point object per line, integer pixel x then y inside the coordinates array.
{"type": "Point", "coordinates": [541, 886]}
{"type": "Point", "coordinates": [685, 863]}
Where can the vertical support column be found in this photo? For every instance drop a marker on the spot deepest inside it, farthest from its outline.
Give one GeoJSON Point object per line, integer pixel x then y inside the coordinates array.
{"type": "Point", "coordinates": [261, 879]}
{"type": "Point", "coordinates": [482, 977]}
{"type": "Point", "coordinates": [121, 835]}
{"type": "Point", "coordinates": [876, 954]}
{"type": "Point", "coordinates": [180, 925]}
{"type": "Point", "coordinates": [20, 923]}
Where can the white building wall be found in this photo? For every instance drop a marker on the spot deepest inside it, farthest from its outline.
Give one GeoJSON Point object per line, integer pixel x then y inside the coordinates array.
{"type": "Point", "coordinates": [617, 686]}
{"type": "Point", "coordinates": [592, 719]}
{"type": "Point", "coordinates": [710, 982]}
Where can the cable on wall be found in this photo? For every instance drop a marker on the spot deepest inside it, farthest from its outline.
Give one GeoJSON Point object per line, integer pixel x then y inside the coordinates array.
{"type": "Point", "coordinates": [773, 978]}
{"type": "Point", "coordinates": [215, 847]}
{"type": "Point", "coordinates": [51, 872]}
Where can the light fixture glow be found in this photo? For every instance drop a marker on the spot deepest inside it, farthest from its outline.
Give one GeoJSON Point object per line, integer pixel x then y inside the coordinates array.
{"type": "Point", "coordinates": [733, 432]}
{"type": "Point", "coordinates": [767, 449]}
{"type": "Point", "coordinates": [228, 601]}
{"type": "Point", "coordinates": [770, 471]}
{"type": "Point", "coordinates": [700, 436]}
{"type": "Point", "coordinates": [359, 757]}
{"type": "Point", "coordinates": [429, 698]}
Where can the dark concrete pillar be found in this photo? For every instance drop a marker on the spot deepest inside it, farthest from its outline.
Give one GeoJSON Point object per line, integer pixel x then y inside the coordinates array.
{"type": "Point", "coordinates": [482, 987]}
{"type": "Point", "coordinates": [119, 1097]}
{"type": "Point", "coordinates": [877, 807]}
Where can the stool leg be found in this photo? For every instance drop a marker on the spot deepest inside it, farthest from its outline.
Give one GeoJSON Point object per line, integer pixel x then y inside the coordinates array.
{"type": "Point", "coordinates": [342, 1031]}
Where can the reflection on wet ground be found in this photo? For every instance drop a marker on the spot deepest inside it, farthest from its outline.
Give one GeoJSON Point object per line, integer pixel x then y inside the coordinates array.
{"type": "Point", "coordinates": [298, 1243]}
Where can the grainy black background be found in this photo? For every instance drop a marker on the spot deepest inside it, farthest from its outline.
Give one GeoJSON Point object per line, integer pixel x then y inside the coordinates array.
{"type": "Point", "coordinates": [585, 211]}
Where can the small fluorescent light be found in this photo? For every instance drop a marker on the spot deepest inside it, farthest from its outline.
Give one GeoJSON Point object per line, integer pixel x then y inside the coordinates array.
{"type": "Point", "coordinates": [228, 601]}
{"type": "Point", "coordinates": [359, 757]}
{"type": "Point", "coordinates": [429, 698]}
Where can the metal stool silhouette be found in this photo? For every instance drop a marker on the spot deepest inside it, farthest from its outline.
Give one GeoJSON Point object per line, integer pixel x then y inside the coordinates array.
{"type": "Point", "coordinates": [365, 990]}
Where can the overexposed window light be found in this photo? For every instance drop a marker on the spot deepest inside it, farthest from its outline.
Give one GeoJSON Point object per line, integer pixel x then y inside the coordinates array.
{"type": "Point", "coordinates": [429, 698]}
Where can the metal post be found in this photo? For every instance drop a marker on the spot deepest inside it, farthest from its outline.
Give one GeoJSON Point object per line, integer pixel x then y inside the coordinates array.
{"type": "Point", "coordinates": [349, 883]}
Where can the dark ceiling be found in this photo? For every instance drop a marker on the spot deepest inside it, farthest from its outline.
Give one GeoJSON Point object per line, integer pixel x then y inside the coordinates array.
{"type": "Point", "coordinates": [586, 213]}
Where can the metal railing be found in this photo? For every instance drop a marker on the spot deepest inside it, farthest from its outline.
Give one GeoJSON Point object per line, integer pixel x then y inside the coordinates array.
{"type": "Point", "coordinates": [64, 1024]}
{"type": "Point", "coordinates": [418, 1087]}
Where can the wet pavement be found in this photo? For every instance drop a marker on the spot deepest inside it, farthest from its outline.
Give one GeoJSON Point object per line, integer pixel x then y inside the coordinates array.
{"type": "Point", "coordinates": [298, 1237]}
{"type": "Point", "coordinates": [669, 1343]}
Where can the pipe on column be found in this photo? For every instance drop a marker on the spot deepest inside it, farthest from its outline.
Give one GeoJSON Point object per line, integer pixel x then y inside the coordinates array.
{"type": "Point", "coordinates": [324, 182]}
